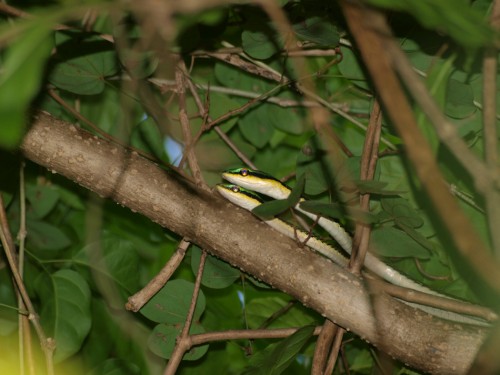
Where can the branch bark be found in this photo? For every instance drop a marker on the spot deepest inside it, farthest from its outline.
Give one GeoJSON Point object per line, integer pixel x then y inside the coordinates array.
{"type": "Point", "coordinates": [413, 337]}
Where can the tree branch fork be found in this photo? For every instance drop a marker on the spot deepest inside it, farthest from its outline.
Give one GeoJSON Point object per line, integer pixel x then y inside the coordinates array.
{"type": "Point", "coordinates": [236, 236]}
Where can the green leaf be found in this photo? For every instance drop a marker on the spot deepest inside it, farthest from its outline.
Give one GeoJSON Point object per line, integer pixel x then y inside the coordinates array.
{"type": "Point", "coordinates": [257, 44]}
{"type": "Point", "coordinates": [148, 137]}
{"type": "Point", "coordinates": [288, 120]}
{"type": "Point", "coordinates": [277, 357]}
{"type": "Point", "coordinates": [43, 198]}
{"type": "Point", "coordinates": [141, 64]}
{"type": "Point", "coordinates": [171, 303]}
{"type": "Point", "coordinates": [268, 210]}
{"type": "Point", "coordinates": [233, 77]}
{"type": "Point", "coordinates": [255, 127]}
{"type": "Point", "coordinates": [258, 311]}
{"type": "Point", "coordinates": [217, 104]}
{"type": "Point", "coordinates": [7, 197]}
{"type": "Point", "coordinates": [400, 210]}
{"type": "Point", "coordinates": [20, 79]}
{"type": "Point", "coordinates": [362, 362]}
{"type": "Point", "coordinates": [352, 70]}
{"type": "Point", "coordinates": [297, 190]}
{"type": "Point", "coordinates": [83, 64]}
{"type": "Point", "coordinates": [437, 81]}
{"type": "Point", "coordinates": [220, 105]}
{"type": "Point", "coordinates": [318, 30]}
{"type": "Point", "coordinates": [375, 187]}
{"type": "Point", "coordinates": [225, 308]}
{"type": "Point", "coordinates": [459, 100]}
{"type": "Point", "coordinates": [103, 332]}
{"type": "Point", "coordinates": [217, 274]}
{"type": "Point", "coordinates": [311, 162]}
{"type": "Point", "coordinates": [113, 366]}
{"type": "Point", "coordinates": [456, 18]}
{"type": "Point", "coordinates": [163, 339]}
{"type": "Point", "coordinates": [70, 198]}
{"type": "Point", "coordinates": [45, 236]}
{"type": "Point", "coordinates": [257, 283]}
{"type": "Point", "coordinates": [8, 315]}
{"type": "Point", "coordinates": [390, 242]}
{"type": "Point", "coordinates": [417, 236]}
{"type": "Point", "coordinates": [65, 312]}
{"type": "Point", "coordinates": [109, 345]}
{"type": "Point", "coordinates": [116, 258]}
{"type": "Point", "coordinates": [212, 17]}
{"type": "Point", "coordinates": [335, 211]}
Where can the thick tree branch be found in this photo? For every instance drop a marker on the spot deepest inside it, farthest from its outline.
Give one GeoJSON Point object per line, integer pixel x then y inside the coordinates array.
{"type": "Point", "coordinates": [415, 338]}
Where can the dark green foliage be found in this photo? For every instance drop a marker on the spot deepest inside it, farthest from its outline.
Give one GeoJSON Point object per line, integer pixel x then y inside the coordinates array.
{"type": "Point", "coordinates": [80, 287]}
{"type": "Point", "coordinates": [82, 63]}
{"type": "Point", "coordinates": [278, 357]}
{"type": "Point", "coordinates": [23, 65]}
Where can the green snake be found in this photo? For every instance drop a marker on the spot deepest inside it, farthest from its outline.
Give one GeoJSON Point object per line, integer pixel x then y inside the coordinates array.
{"type": "Point", "coordinates": [245, 183]}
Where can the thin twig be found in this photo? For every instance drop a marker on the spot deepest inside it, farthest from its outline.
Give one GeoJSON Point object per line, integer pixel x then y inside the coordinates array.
{"type": "Point", "coordinates": [53, 94]}
{"type": "Point", "coordinates": [465, 197]}
{"type": "Point", "coordinates": [343, 357]}
{"type": "Point", "coordinates": [183, 341]}
{"type": "Point", "coordinates": [478, 105]}
{"type": "Point", "coordinates": [221, 134]}
{"type": "Point", "coordinates": [323, 347]}
{"type": "Point", "coordinates": [334, 352]}
{"type": "Point", "coordinates": [166, 84]}
{"type": "Point", "coordinates": [345, 115]}
{"type": "Point", "coordinates": [25, 344]}
{"type": "Point", "coordinates": [140, 298]}
{"type": "Point", "coordinates": [275, 333]}
{"type": "Point", "coordinates": [282, 311]}
{"type": "Point", "coordinates": [310, 52]}
{"type": "Point", "coordinates": [442, 303]}
{"type": "Point", "coordinates": [361, 239]}
{"type": "Point", "coordinates": [47, 343]}
{"type": "Point", "coordinates": [14, 12]}
{"type": "Point", "coordinates": [186, 128]}
{"type": "Point", "coordinates": [369, 159]}
{"type": "Point", "coordinates": [426, 274]}
{"type": "Point", "coordinates": [265, 71]}
{"type": "Point", "coordinates": [241, 109]}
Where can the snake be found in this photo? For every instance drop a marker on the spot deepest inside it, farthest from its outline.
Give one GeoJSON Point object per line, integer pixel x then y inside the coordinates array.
{"type": "Point", "coordinates": [246, 184]}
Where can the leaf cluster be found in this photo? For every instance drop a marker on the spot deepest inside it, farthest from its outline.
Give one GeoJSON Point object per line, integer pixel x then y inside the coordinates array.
{"type": "Point", "coordinates": [84, 257]}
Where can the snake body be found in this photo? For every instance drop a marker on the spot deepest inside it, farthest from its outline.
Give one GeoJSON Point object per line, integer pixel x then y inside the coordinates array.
{"type": "Point", "coordinates": [244, 182]}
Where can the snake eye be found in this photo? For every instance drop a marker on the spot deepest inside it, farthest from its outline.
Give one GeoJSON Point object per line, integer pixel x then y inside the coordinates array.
{"type": "Point", "coordinates": [244, 172]}
{"type": "Point", "coordinates": [235, 189]}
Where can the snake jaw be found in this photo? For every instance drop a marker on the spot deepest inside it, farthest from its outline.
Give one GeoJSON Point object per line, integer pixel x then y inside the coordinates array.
{"type": "Point", "coordinates": [233, 194]}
